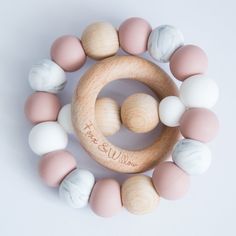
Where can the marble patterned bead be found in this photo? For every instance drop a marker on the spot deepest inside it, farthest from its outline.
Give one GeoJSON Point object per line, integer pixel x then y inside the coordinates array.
{"type": "Point", "coordinates": [163, 41]}
{"type": "Point", "coordinates": [76, 188]}
{"type": "Point", "coordinates": [192, 156]}
{"type": "Point", "coordinates": [47, 76]}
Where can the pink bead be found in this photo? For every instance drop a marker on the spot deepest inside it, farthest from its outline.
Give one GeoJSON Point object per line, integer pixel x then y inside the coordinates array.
{"type": "Point", "coordinates": [170, 181]}
{"type": "Point", "coordinates": [55, 166]}
{"type": "Point", "coordinates": [133, 35]}
{"type": "Point", "coordinates": [68, 53]}
{"type": "Point", "coordinates": [42, 106]}
{"type": "Point", "coordinates": [199, 124]}
{"type": "Point", "coordinates": [187, 61]}
{"type": "Point", "coordinates": [105, 199]}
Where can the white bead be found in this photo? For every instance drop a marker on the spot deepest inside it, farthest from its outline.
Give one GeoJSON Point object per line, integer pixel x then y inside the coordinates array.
{"type": "Point", "coordinates": [170, 111]}
{"type": "Point", "coordinates": [47, 76]}
{"type": "Point", "coordinates": [199, 91]}
{"type": "Point", "coordinates": [64, 119]}
{"type": "Point", "coordinates": [47, 137]}
{"type": "Point", "coordinates": [163, 41]}
{"type": "Point", "coordinates": [192, 156]}
{"type": "Point", "coordinates": [76, 188]}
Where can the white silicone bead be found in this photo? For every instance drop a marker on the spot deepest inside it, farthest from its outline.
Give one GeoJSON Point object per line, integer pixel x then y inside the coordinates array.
{"type": "Point", "coordinates": [170, 111]}
{"type": "Point", "coordinates": [47, 137]}
{"type": "Point", "coordinates": [47, 76]}
{"type": "Point", "coordinates": [163, 41]}
{"type": "Point", "coordinates": [76, 188]}
{"type": "Point", "coordinates": [199, 91]}
{"type": "Point", "coordinates": [64, 119]}
{"type": "Point", "coordinates": [192, 156]}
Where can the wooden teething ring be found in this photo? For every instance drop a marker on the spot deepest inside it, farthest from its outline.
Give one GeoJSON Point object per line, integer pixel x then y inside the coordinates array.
{"type": "Point", "coordinates": [83, 113]}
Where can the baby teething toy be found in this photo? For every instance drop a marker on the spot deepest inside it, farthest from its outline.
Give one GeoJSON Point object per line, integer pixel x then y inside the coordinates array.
{"type": "Point", "coordinates": [186, 111]}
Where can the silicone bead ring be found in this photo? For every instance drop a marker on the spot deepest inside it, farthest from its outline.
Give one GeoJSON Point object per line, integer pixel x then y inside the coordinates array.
{"type": "Point", "coordinates": [83, 113]}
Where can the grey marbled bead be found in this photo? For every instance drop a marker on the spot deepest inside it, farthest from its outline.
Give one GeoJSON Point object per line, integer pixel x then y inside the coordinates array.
{"type": "Point", "coordinates": [192, 156]}
{"type": "Point", "coordinates": [76, 188]}
{"type": "Point", "coordinates": [163, 41]}
{"type": "Point", "coordinates": [47, 76]}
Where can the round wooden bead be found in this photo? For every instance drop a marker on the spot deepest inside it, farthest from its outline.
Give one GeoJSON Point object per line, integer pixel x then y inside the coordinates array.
{"type": "Point", "coordinates": [199, 124]}
{"type": "Point", "coordinates": [187, 61]}
{"type": "Point", "coordinates": [64, 119]}
{"type": "Point", "coordinates": [170, 111]}
{"type": "Point", "coordinates": [199, 91]}
{"type": "Point", "coordinates": [107, 113]}
{"type": "Point", "coordinates": [47, 137]}
{"type": "Point", "coordinates": [138, 195]}
{"type": "Point", "coordinates": [139, 113]}
{"type": "Point", "coordinates": [54, 166]}
{"type": "Point", "coordinates": [170, 181]}
{"type": "Point", "coordinates": [133, 35]}
{"type": "Point", "coordinates": [105, 199]}
{"type": "Point", "coordinates": [76, 188]}
{"type": "Point", "coordinates": [163, 42]}
{"type": "Point", "coordinates": [47, 76]}
{"type": "Point", "coordinates": [100, 40]}
{"type": "Point", "coordinates": [68, 53]}
{"type": "Point", "coordinates": [41, 106]}
{"type": "Point", "coordinates": [192, 156]}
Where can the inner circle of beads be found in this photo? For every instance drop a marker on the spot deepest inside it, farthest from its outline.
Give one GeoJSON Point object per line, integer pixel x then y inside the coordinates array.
{"type": "Point", "coordinates": [190, 112]}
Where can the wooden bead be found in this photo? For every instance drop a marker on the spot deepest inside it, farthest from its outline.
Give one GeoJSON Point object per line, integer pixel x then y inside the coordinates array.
{"type": "Point", "coordinates": [139, 113]}
{"type": "Point", "coordinates": [100, 40]}
{"type": "Point", "coordinates": [107, 113]}
{"type": "Point", "coordinates": [138, 195]}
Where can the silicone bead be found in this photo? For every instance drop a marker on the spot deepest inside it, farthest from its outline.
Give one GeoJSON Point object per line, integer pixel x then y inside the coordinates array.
{"type": "Point", "coordinates": [41, 106]}
{"type": "Point", "coordinates": [47, 137]}
{"type": "Point", "coordinates": [133, 35]}
{"type": "Point", "coordinates": [199, 91]}
{"type": "Point", "coordinates": [192, 156]}
{"type": "Point", "coordinates": [54, 166]}
{"type": "Point", "coordinates": [170, 111]}
{"type": "Point", "coordinates": [47, 76]}
{"type": "Point", "coordinates": [199, 124]}
{"type": "Point", "coordinates": [105, 199]}
{"type": "Point", "coordinates": [68, 53]}
{"type": "Point", "coordinates": [187, 61]}
{"type": "Point", "coordinates": [64, 119]}
{"type": "Point", "coordinates": [163, 42]}
{"type": "Point", "coordinates": [76, 188]}
{"type": "Point", "coordinates": [170, 181]}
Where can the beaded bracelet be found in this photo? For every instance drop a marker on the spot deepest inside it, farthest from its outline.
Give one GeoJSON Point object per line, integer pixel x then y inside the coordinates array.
{"type": "Point", "coordinates": [188, 112]}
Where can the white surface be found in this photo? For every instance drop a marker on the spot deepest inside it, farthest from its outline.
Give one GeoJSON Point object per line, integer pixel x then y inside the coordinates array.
{"type": "Point", "coordinates": [64, 118]}
{"type": "Point", "coordinates": [27, 207]}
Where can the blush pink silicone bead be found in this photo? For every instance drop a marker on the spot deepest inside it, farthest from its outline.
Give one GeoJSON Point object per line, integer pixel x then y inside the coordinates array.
{"type": "Point", "coordinates": [199, 124]}
{"type": "Point", "coordinates": [170, 181]}
{"type": "Point", "coordinates": [133, 35]}
{"type": "Point", "coordinates": [187, 61]}
{"type": "Point", "coordinates": [42, 106]}
{"type": "Point", "coordinates": [55, 166]}
{"type": "Point", "coordinates": [105, 199]}
{"type": "Point", "coordinates": [68, 53]}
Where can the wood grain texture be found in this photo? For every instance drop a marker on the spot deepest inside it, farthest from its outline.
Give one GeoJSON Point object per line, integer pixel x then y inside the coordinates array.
{"type": "Point", "coordinates": [100, 40]}
{"type": "Point", "coordinates": [139, 113]}
{"type": "Point", "coordinates": [139, 195]}
{"type": "Point", "coordinates": [84, 121]}
{"type": "Point", "coordinates": [107, 113]}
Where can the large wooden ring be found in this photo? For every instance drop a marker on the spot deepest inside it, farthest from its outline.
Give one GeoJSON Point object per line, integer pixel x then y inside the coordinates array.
{"type": "Point", "coordinates": [83, 113]}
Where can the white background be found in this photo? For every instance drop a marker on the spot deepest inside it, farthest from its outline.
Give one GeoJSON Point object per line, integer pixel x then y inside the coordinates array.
{"type": "Point", "coordinates": [27, 207]}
